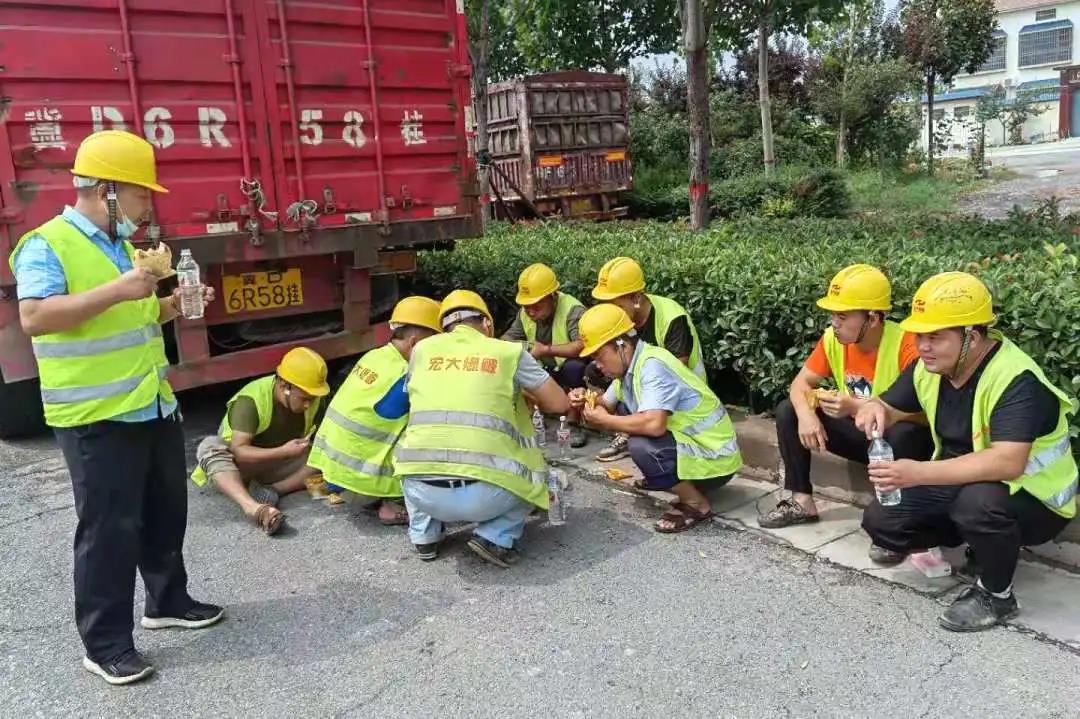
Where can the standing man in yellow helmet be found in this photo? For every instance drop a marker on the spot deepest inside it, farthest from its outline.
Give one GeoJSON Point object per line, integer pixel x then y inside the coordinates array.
{"type": "Point", "coordinates": [863, 353]}
{"type": "Point", "coordinates": [95, 323]}
{"type": "Point", "coordinates": [660, 321]}
{"type": "Point", "coordinates": [680, 433]}
{"type": "Point", "coordinates": [369, 412]}
{"type": "Point", "coordinates": [468, 453]}
{"type": "Point", "coordinates": [260, 451]}
{"type": "Point", "coordinates": [548, 322]}
{"type": "Point", "coordinates": [1003, 474]}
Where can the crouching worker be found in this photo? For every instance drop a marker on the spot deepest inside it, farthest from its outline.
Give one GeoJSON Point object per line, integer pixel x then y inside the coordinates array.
{"type": "Point", "coordinates": [1003, 475]}
{"type": "Point", "coordinates": [368, 413]}
{"type": "Point", "coordinates": [679, 432]}
{"type": "Point", "coordinates": [468, 453]}
{"type": "Point", "coordinates": [260, 451]}
{"type": "Point", "coordinates": [548, 322]}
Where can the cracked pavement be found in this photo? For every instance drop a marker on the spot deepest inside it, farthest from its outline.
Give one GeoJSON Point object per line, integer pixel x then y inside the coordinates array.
{"type": "Point", "coordinates": [603, 618]}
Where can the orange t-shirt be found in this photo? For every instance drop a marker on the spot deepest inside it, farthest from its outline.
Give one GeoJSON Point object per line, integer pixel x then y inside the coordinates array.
{"type": "Point", "coordinates": [859, 366]}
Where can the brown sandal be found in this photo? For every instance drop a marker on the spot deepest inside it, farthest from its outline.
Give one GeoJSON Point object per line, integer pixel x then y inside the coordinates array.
{"type": "Point", "coordinates": [401, 516]}
{"type": "Point", "coordinates": [268, 518]}
{"type": "Point", "coordinates": [684, 519]}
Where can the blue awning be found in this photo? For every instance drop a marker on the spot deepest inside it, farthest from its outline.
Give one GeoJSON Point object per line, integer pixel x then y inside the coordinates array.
{"type": "Point", "coordinates": [965, 93]}
{"type": "Point", "coordinates": [1050, 89]}
{"type": "Point", "coordinates": [1042, 26]}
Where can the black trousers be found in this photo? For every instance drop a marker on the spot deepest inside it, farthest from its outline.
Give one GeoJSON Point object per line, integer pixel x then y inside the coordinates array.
{"type": "Point", "coordinates": [994, 524]}
{"type": "Point", "coordinates": [908, 441]}
{"type": "Point", "coordinates": [571, 374]}
{"type": "Point", "coordinates": [129, 482]}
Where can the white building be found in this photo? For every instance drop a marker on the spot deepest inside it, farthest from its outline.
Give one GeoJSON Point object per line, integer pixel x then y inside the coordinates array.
{"type": "Point", "coordinates": [1035, 40]}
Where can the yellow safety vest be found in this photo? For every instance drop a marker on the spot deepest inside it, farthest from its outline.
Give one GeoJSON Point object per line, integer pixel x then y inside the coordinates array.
{"type": "Point", "coordinates": [112, 363]}
{"type": "Point", "coordinates": [705, 440]}
{"type": "Point", "coordinates": [667, 311]}
{"type": "Point", "coordinates": [887, 369]}
{"type": "Point", "coordinates": [560, 325]}
{"type": "Point", "coordinates": [352, 447]}
{"type": "Point", "coordinates": [467, 419]}
{"type": "Point", "coordinates": [261, 392]}
{"type": "Point", "coordinates": [1051, 473]}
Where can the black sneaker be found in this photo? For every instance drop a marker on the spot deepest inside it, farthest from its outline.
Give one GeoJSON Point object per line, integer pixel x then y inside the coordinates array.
{"type": "Point", "coordinates": [427, 552]}
{"type": "Point", "coordinates": [128, 668]}
{"type": "Point", "coordinates": [887, 557]}
{"type": "Point", "coordinates": [977, 609]}
{"type": "Point", "coordinates": [199, 615]}
{"type": "Point", "coordinates": [491, 552]}
{"type": "Point", "coordinates": [577, 437]}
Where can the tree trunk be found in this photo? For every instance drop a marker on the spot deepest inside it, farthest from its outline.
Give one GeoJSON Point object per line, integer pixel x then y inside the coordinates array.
{"type": "Point", "coordinates": [841, 141]}
{"type": "Point", "coordinates": [849, 59]}
{"type": "Point", "coordinates": [481, 53]}
{"type": "Point", "coordinates": [697, 74]}
{"type": "Point", "coordinates": [930, 123]}
{"type": "Point", "coordinates": [763, 95]}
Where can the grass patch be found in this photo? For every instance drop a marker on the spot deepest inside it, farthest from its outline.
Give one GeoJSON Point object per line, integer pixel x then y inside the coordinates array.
{"type": "Point", "coordinates": [907, 194]}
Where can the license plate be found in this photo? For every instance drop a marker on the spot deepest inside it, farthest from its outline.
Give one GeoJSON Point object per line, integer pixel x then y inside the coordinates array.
{"type": "Point", "coordinates": [257, 291]}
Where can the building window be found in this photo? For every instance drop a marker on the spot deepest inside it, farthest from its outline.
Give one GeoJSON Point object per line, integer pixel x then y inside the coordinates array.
{"type": "Point", "coordinates": [1042, 47]}
{"type": "Point", "coordinates": [1044, 15]}
{"type": "Point", "coordinates": [939, 115]}
{"type": "Point", "coordinates": [962, 112]}
{"type": "Point", "coordinates": [996, 61]}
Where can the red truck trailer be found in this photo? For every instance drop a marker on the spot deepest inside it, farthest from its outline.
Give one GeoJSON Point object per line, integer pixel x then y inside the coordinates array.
{"type": "Point", "coordinates": [310, 149]}
{"type": "Point", "coordinates": [560, 141]}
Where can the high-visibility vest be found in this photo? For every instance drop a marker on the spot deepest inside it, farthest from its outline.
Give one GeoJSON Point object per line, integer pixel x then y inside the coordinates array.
{"type": "Point", "coordinates": [705, 441]}
{"type": "Point", "coordinates": [887, 369]}
{"type": "Point", "coordinates": [467, 419]}
{"type": "Point", "coordinates": [665, 312]}
{"type": "Point", "coordinates": [560, 323]}
{"type": "Point", "coordinates": [352, 446]}
{"type": "Point", "coordinates": [112, 363]}
{"type": "Point", "coordinates": [1051, 473]}
{"type": "Point", "coordinates": [261, 392]}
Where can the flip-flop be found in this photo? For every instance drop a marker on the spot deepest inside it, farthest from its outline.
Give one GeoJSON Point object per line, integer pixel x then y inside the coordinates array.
{"type": "Point", "coordinates": [685, 519]}
{"type": "Point", "coordinates": [401, 517]}
{"type": "Point", "coordinates": [269, 519]}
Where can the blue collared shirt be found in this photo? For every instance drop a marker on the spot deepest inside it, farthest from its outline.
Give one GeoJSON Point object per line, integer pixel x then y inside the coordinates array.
{"type": "Point", "coordinates": [660, 387]}
{"type": "Point", "coordinates": [39, 274]}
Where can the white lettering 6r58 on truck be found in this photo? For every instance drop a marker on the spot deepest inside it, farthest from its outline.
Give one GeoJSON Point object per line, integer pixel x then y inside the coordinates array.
{"type": "Point", "coordinates": [310, 149]}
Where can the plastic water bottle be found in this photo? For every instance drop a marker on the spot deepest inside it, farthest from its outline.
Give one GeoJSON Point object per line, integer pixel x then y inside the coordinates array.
{"type": "Point", "coordinates": [563, 437]}
{"type": "Point", "coordinates": [187, 272]}
{"type": "Point", "coordinates": [556, 505]}
{"type": "Point", "coordinates": [539, 429]}
{"type": "Point", "coordinates": [880, 451]}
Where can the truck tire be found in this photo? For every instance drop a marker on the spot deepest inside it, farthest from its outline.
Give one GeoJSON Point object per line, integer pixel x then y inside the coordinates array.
{"type": "Point", "coordinates": [21, 413]}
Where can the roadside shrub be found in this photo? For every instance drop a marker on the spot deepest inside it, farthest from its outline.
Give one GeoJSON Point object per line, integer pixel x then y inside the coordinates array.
{"type": "Point", "coordinates": [823, 193]}
{"type": "Point", "coordinates": [750, 284]}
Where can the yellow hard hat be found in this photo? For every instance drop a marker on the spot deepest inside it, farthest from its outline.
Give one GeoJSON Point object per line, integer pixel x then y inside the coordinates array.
{"type": "Point", "coordinates": [951, 299]}
{"type": "Point", "coordinates": [305, 369]}
{"type": "Point", "coordinates": [418, 311]}
{"type": "Point", "coordinates": [535, 283]}
{"type": "Point", "coordinates": [858, 287]}
{"type": "Point", "coordinates": [463, 300]}
{"type": "Point", "coordinates": [118, 156]}
{"type": "Point", "coordinates": [602, 324]}
{"type": "Point", "coordinates": [618, 277]}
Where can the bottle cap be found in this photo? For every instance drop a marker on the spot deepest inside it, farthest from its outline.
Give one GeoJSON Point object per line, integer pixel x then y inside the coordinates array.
{"type": "Point", "coordinates": [562, 418]}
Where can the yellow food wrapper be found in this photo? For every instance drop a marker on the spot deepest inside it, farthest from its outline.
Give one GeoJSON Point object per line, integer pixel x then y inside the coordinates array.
{"type": "Point", "coordinates": [617, 475]}
{"type": "Point", "coordinates": [316, 487]}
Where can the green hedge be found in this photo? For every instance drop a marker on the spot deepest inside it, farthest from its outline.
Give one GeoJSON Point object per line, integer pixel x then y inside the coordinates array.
{"type": "Point", "coordinates": [750, 285]}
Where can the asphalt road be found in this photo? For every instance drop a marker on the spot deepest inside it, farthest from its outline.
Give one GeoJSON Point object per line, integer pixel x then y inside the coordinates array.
{"type": "Point", "coordinates": [604, 618]}
{"type": "Point", "coordinates": [1041, 175]}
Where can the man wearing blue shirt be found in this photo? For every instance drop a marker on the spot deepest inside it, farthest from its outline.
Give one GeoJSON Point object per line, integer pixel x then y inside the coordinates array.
{"type": "Point", "coordinates": [95, 323]}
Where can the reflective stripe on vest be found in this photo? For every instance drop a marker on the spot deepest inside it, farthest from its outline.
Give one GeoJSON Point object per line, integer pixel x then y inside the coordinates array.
{"type": "Point", "coordinates": [887, 368]}
{"type": "Point", "coordinates": [665, 311]}
{"type": "Point", "coordinates": [89, 348]}
{"type": "Point", "coordinates": [473, 419]}
{"type": "Point", "coordinates": [356, 428]}
{"type": "Point", "coordinates": [560, 319]}
{"type": "Point", "coordinates": [728, 449]}
{"type": "Point", "coordinates": [112, 363]}
{"type": "Point", "coordinates": [708, 423]}
{"type": "Point", "coordinates": [1050, 474]}
{"type": "Point", "coordinates": [359, 465]}
{"type": "Point", "coordinates": [476, 459]}
{"type": "Point", "coordinates": [71, 395]}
